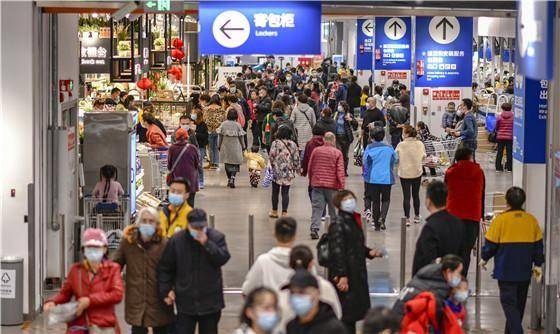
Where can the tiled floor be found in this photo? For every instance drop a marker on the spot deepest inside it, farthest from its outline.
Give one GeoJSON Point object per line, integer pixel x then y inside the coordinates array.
{"type": "Point", "coordinates": [231, 208]}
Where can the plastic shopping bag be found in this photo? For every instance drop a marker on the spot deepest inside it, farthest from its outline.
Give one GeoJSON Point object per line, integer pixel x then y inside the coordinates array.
{"type": "Point", "coordinates": [268, 176]}
{"type": "Point", "coordinates": [63, 313]}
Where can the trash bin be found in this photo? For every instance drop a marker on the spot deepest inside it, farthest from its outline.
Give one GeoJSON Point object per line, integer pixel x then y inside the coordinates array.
{"type": "Point", "coordinates": [11, 290]}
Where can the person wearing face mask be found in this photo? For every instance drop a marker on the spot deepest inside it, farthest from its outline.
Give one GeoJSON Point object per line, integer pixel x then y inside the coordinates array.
{"type": "Point", "coordinates": [457, 298]}
{"type": "Point", "coordinates": [186, 123]}
{"type": "Point", "coordinates": [346, 124]}
{"type": "Point", "coordinates": [263, 107]}
{"type": "Point", "coordinates": [373, 116]}
{"type": "Point", "coordinates": [201, 134]}
{"type": "Point", "coordinates": [303, 118]}
{"type": "Point", "coordinates": [96, 284]}
{"type": "Point", "coordinates": [189, 274]}
{"type": "Point", "coordinates": [173, 214]}
{"type": "Point", "coordinates": [140, 250]}
{"type": "Point", "coordinates": [469, 129]}
{"type": "Point", "coordinates": [240, 85]}
{"type": "Point", "coordinates": [448, 120]}
{"type": "Point", "coordinates": [183, 161]}
{"type": "Point", "coordinates": [312, 315]}
{"type": "Point", "coordinates": [436, 278]}
{"type": "Point", "coordinates": [348, 253]}
{"type": "Point", "coordinates": [260, 314]}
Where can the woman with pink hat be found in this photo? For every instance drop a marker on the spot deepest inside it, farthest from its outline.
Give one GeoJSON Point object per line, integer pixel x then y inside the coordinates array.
{"type": "Point", "coordinates": [96, 284]}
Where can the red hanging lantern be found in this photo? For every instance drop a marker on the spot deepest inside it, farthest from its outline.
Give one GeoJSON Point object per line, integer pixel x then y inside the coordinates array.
{"type": "Point", "coordinates": [144, 83]}
{"type": "Point", "coordinates": [177, 43]}
{"type": "Point", "coordinates": [177, 54]}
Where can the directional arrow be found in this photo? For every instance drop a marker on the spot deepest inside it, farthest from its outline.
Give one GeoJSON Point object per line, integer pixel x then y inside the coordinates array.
{"type": "Point", "coordinates": [368, 27]}
{"type": "Point", "coordinates": [150, 4]}
{"type": "Point", "coordinates": [394, 25]}
{"type": "Point", "coordinates": [223, 29]}
{"type": "Point", "coordinates": [445, 23]}
{"type": "Point", "coordinates": [5, 278]}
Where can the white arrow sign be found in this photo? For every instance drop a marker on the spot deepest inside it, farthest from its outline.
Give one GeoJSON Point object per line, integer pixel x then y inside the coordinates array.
{"type": "Point", "coordinates": [444, 29]}
{"type": "Point", "coordinates": [395, 28]}
{"type": "Point", "coordinates": [367, 28]}
{"type": "Point", "coordinates": [231, 29]}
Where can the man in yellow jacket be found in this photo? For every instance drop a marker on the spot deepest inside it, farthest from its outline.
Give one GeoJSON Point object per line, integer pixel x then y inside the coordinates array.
{"type": "Point", "coordinates": [174, 215]}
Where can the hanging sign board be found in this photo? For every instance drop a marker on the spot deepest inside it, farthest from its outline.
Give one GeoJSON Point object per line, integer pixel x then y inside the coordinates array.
{"type": "Point", "coordinates": [444, 51]}
{"type": "Point", "coordinates": [364, 45]}
{"type": "Point", "coordinates": [94, 54]}
{"type": "Point", "coordinates": [535, 46]}
{"type": "Point", "coordinates": [260, 27]}
{"type": "Point", "coordinates": [393, 40]}
{"type": "Point", "coordinates": [163, 6]}
{"type": "Point", "coordinates": [529, 122]}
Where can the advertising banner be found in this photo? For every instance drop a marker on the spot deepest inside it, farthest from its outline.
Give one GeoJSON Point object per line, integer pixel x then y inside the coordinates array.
{"type": "Point", "coordinates": [260, 27]}
{"type": "Point", "coordinates": [529, 123]}
{"type": "Point", "coordinates": [95, 57]}
{"type": "Point", "coordinates": [393, 40]}
{"type": "Point", "coordinates": [444, 51]}
{"type": "Point", "coordinates": [364, 45]}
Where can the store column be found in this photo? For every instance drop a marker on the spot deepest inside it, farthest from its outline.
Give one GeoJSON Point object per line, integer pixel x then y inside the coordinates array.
{"type": "Point", "coordinates": [534, 68]}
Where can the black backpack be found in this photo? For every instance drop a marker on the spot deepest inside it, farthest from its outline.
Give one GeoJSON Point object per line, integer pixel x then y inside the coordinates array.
{"type": "Point", "coordinates": [323, 256]}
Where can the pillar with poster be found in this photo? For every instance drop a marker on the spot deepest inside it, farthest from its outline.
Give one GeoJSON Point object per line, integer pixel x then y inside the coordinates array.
{"type": "Point", "coordinates": [443, 67]}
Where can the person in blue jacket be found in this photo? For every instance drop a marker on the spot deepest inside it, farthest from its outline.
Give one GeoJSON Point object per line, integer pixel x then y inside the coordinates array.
{"type": "Point", "coordinates": [514, 240]}
{"type": "Point", "coordinates": [379, 159]}
{"type": "Point", "coordinates": [469, 130]}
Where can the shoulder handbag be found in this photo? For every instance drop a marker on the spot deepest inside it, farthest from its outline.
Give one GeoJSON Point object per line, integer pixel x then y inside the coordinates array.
{"type": "Point", "coordinates": [323, 256]}
{"type": "Point", "coordinates": [168, 177]}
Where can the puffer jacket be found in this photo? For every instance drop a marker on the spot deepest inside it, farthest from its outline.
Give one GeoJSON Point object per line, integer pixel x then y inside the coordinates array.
{"type": "Point", "coordinates": [194, 272]}
{"type": "Point", "coordinates": [214, 116]}
{"type": "Point", "coordinates": [303, 118]}
{"type": "Point", "coordinates": [430, 278]}
{"type": "Point", "coordinates": [504, 126]}
{"type": "Point", "coordinates": [348, 259]}
{"type": "Point", "coordinates": [143, 307]}
{"type": "Point", "coordinates": [326, 168]}
{"type": "Point", "coordinates": [311, 145]}
{"type": "Point", "coordinates": [467, 205]}
{"type": "Point", "coordinates": [420, 314]}
{"type": "Point", "coordinates": [104, 292]}
{"type": "Point", "coordinates": [156, 137]}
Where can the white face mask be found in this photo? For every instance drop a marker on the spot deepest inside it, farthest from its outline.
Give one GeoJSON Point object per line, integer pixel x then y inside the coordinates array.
{"type": "Point", "coordinates": [348, 205]}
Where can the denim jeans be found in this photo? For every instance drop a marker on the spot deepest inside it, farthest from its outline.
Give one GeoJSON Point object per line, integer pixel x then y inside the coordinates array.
{"type": "Point", "coordinates": [213, 146]}
{"type": "Point", "coordinates": [202, 153]}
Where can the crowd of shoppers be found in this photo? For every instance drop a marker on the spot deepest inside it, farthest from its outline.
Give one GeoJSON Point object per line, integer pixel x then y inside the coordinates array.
{"type": "Point", "coordinates": [173, 258]}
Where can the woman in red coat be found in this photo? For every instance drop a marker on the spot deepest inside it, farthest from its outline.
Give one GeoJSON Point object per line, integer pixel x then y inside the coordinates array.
{"type": "Point", "coordinates": [97, 286]}
{"type": "Point", "coordinates": [504, 137]}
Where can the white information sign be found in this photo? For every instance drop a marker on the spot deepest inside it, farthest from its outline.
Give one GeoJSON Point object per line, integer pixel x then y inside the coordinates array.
{"type": "Point", "coordinates": [7, 284]}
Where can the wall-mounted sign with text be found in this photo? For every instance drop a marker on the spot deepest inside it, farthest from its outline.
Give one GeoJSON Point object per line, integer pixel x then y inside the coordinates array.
{"type": "Point", "coordinates": [364, 45]}
{"type": "Point", "coordinates": [444, 51]}
{"type": "Point", "coordinates": [393, 40]}
{"type": "Point", "coordinates": [95, 56]}
{"type": "Point", "coordinates": [245, 27]}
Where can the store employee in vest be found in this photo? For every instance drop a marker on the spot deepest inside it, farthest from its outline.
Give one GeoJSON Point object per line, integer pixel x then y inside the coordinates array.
{"type": "Point", "coordinates": [174, 215]}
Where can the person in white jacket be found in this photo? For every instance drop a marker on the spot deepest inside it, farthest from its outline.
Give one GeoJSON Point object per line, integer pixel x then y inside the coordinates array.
{"type": "Point", "coordinates": [304, 120]}
{"type": "Point", "coordinates": [272, 269]}
{"type": "Point", "coordinates": [411, 153]}
{"type": "Point", "coordinates": [301, 257]}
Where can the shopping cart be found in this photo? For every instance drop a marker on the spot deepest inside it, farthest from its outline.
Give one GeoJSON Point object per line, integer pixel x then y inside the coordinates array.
{"type": "Point", "coordinates": [109, 216]}
{"type": "Point", "coordinates": [439, 155]}
{"type": "Point", "coordinates": [158, 161]}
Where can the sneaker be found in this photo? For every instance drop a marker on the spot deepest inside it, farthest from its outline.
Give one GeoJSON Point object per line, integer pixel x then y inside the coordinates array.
{"type": "Point", "coordinates": [407, 222]}
{"type": "Point", "coordinates": [417, 219]}
{"type": "Point", "coordinates": [201, 186]}
{"type": "Point", "coordinates": [273, 214]}
{"type": "Point", "coordinates": [367, 215]}
{"type": "Point", "coordinates": [383, 227]}
{"type": "Point", "coordinates": [323, 219]}
{"type": "Point", "coordinates": [314, 235]}
{"type": "Point", "coordinates": [284, 213]}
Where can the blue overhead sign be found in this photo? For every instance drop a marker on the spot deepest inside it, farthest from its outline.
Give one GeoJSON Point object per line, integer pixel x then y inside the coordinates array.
{"type": "Point", "coordinates": [444, 51]}
{"type": "Point", "coordinates": [529, 122]}
{"type": "Point", "coordinates": [364, 45]}
{"type": "Point", "coordinates": [393, 40]}
{"type": "Point", "coordinates": [535, 47]}
{"type": "Point", "coordinates": [247, 27]}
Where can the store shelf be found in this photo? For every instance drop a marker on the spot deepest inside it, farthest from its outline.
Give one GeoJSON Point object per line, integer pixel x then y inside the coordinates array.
{"type": "Point", "coordinates": [140, 176]}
